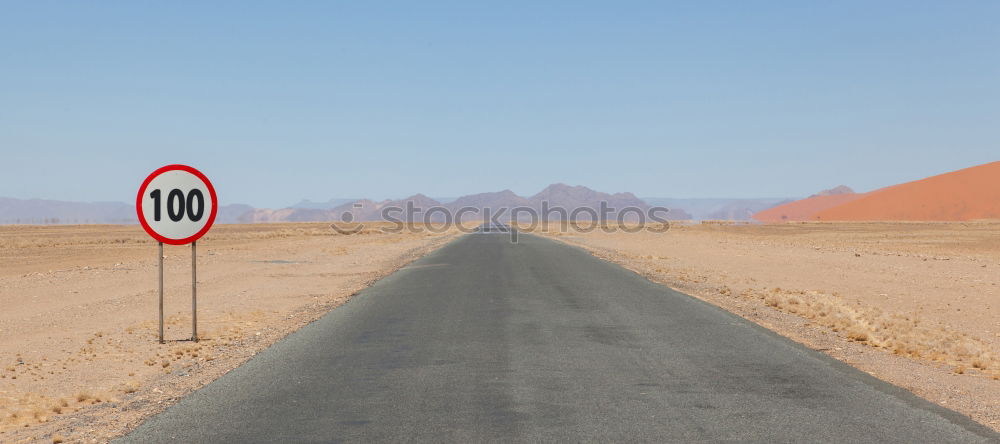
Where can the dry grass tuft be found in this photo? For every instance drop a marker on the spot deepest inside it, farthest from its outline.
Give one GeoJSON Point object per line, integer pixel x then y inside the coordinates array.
{"type": "Point", "coordinates": [902, 334]}
{"type": "Point", "coordinates": [130, 386]}
{"type": "Point", "coordinates": [40, 415]}
{"type": "Point", "coordinates": [858, 336]}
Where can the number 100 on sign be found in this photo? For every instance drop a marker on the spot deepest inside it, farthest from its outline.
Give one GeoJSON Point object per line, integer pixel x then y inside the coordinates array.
{"type": "Point", "coordinates": [176, 204]}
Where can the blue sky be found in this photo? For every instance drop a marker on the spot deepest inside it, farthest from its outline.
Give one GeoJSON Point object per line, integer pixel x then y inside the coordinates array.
{"type": "Point", "coordinates": [280, 101]}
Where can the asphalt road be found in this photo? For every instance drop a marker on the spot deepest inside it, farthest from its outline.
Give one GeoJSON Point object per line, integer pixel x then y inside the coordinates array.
{"type": "Point", "coordinates": [489, 341]}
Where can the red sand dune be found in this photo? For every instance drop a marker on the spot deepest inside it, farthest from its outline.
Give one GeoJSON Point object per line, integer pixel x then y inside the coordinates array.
{"type": "Point", "coordinates": [804, 209]}
{"type": "Point", "coordinates": [969, 194]}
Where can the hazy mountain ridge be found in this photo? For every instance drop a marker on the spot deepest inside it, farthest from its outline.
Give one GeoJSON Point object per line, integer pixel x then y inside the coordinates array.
{"type": "Point", "coordinates": [494, 200]}
{"type": "Point", "coordinates": [837, 190]}
{"type": "Point", "coordinates": [328, 205]}
{"type": "Point", "coordinates": [567, 197]}
{"type": "Point", "coordinates": [717, 208]}
{"type": "Point", "coordinates": [557, 195]}
{"type": "Point", "coordinates": [43, 211]}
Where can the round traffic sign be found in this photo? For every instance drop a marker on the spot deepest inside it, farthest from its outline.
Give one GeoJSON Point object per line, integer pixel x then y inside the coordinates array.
{"type": "Point", "coordinates": [176, 204]}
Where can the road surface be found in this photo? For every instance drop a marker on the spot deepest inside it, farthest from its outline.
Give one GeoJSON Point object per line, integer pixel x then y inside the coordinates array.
{"type": "Point", "coordinates": [485, 340]}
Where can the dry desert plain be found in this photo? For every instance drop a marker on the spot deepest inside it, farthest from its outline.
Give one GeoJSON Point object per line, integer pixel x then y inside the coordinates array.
{"type": "Point", "coordinates": [79, 354]}
{"type": "Point", "coordinates": [912, 303]}
{"type": "Point", "coordinates": [915, 304]}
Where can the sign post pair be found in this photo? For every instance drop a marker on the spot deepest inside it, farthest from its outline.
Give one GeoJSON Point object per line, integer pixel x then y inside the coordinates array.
{"type": "Point", "coordinates": [177, 205]}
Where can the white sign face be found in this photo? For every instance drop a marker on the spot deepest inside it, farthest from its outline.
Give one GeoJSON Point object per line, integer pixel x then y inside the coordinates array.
{"type": "Point", "coordinates": [176, 204]}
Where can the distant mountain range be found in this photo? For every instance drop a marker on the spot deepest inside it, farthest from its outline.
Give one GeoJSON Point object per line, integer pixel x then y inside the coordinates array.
{"type": "Point", "coordinates": [569, 198]}
{"type": "Point", "coordinates": [717, 209]}
{"type": "Point", "coordinates": [330, 204]}
{"type": "Point", "coordinates": [40, 211]}
{"type": "Point", "coordinates": [968, 194]}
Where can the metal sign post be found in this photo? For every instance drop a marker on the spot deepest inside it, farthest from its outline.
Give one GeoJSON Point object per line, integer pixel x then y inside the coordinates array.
{"type": "Point", "coordinates": [177, 205]}
{"type": "Point", "coordinates": [194, 291]}
{"type": "Point", "coordinates": [161, 292]}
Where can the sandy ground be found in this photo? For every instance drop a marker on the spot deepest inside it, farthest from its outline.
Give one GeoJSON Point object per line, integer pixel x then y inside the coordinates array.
{"type": "Point", "coordinates": [79, 356]}
{"type": "Point", "coordinates": [915, 304]}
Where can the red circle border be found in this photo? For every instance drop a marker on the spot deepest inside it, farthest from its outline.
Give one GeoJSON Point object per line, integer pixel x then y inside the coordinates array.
{"type": "Point", "coordinates": [166, 240]}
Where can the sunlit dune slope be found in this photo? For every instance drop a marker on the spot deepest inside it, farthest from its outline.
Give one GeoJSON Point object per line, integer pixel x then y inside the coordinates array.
{"type": "Point", "coordinates": [804, 209]}
{"type": "Point", "coordinates": [968, 194]}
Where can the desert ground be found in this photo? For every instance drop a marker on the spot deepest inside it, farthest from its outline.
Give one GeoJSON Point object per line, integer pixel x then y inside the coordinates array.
{"type": "Point", "coordinates": [915, 304]}
{"type": "Point", "coordinates": [79, 354]}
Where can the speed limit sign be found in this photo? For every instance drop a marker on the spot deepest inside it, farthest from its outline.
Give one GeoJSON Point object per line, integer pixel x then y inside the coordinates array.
{"type": "Point", "coordinates": [176, 205]}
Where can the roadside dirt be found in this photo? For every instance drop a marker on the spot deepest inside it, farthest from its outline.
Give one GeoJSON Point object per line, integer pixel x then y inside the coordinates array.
{"type": "Point", "coordinates": [79, 356]}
